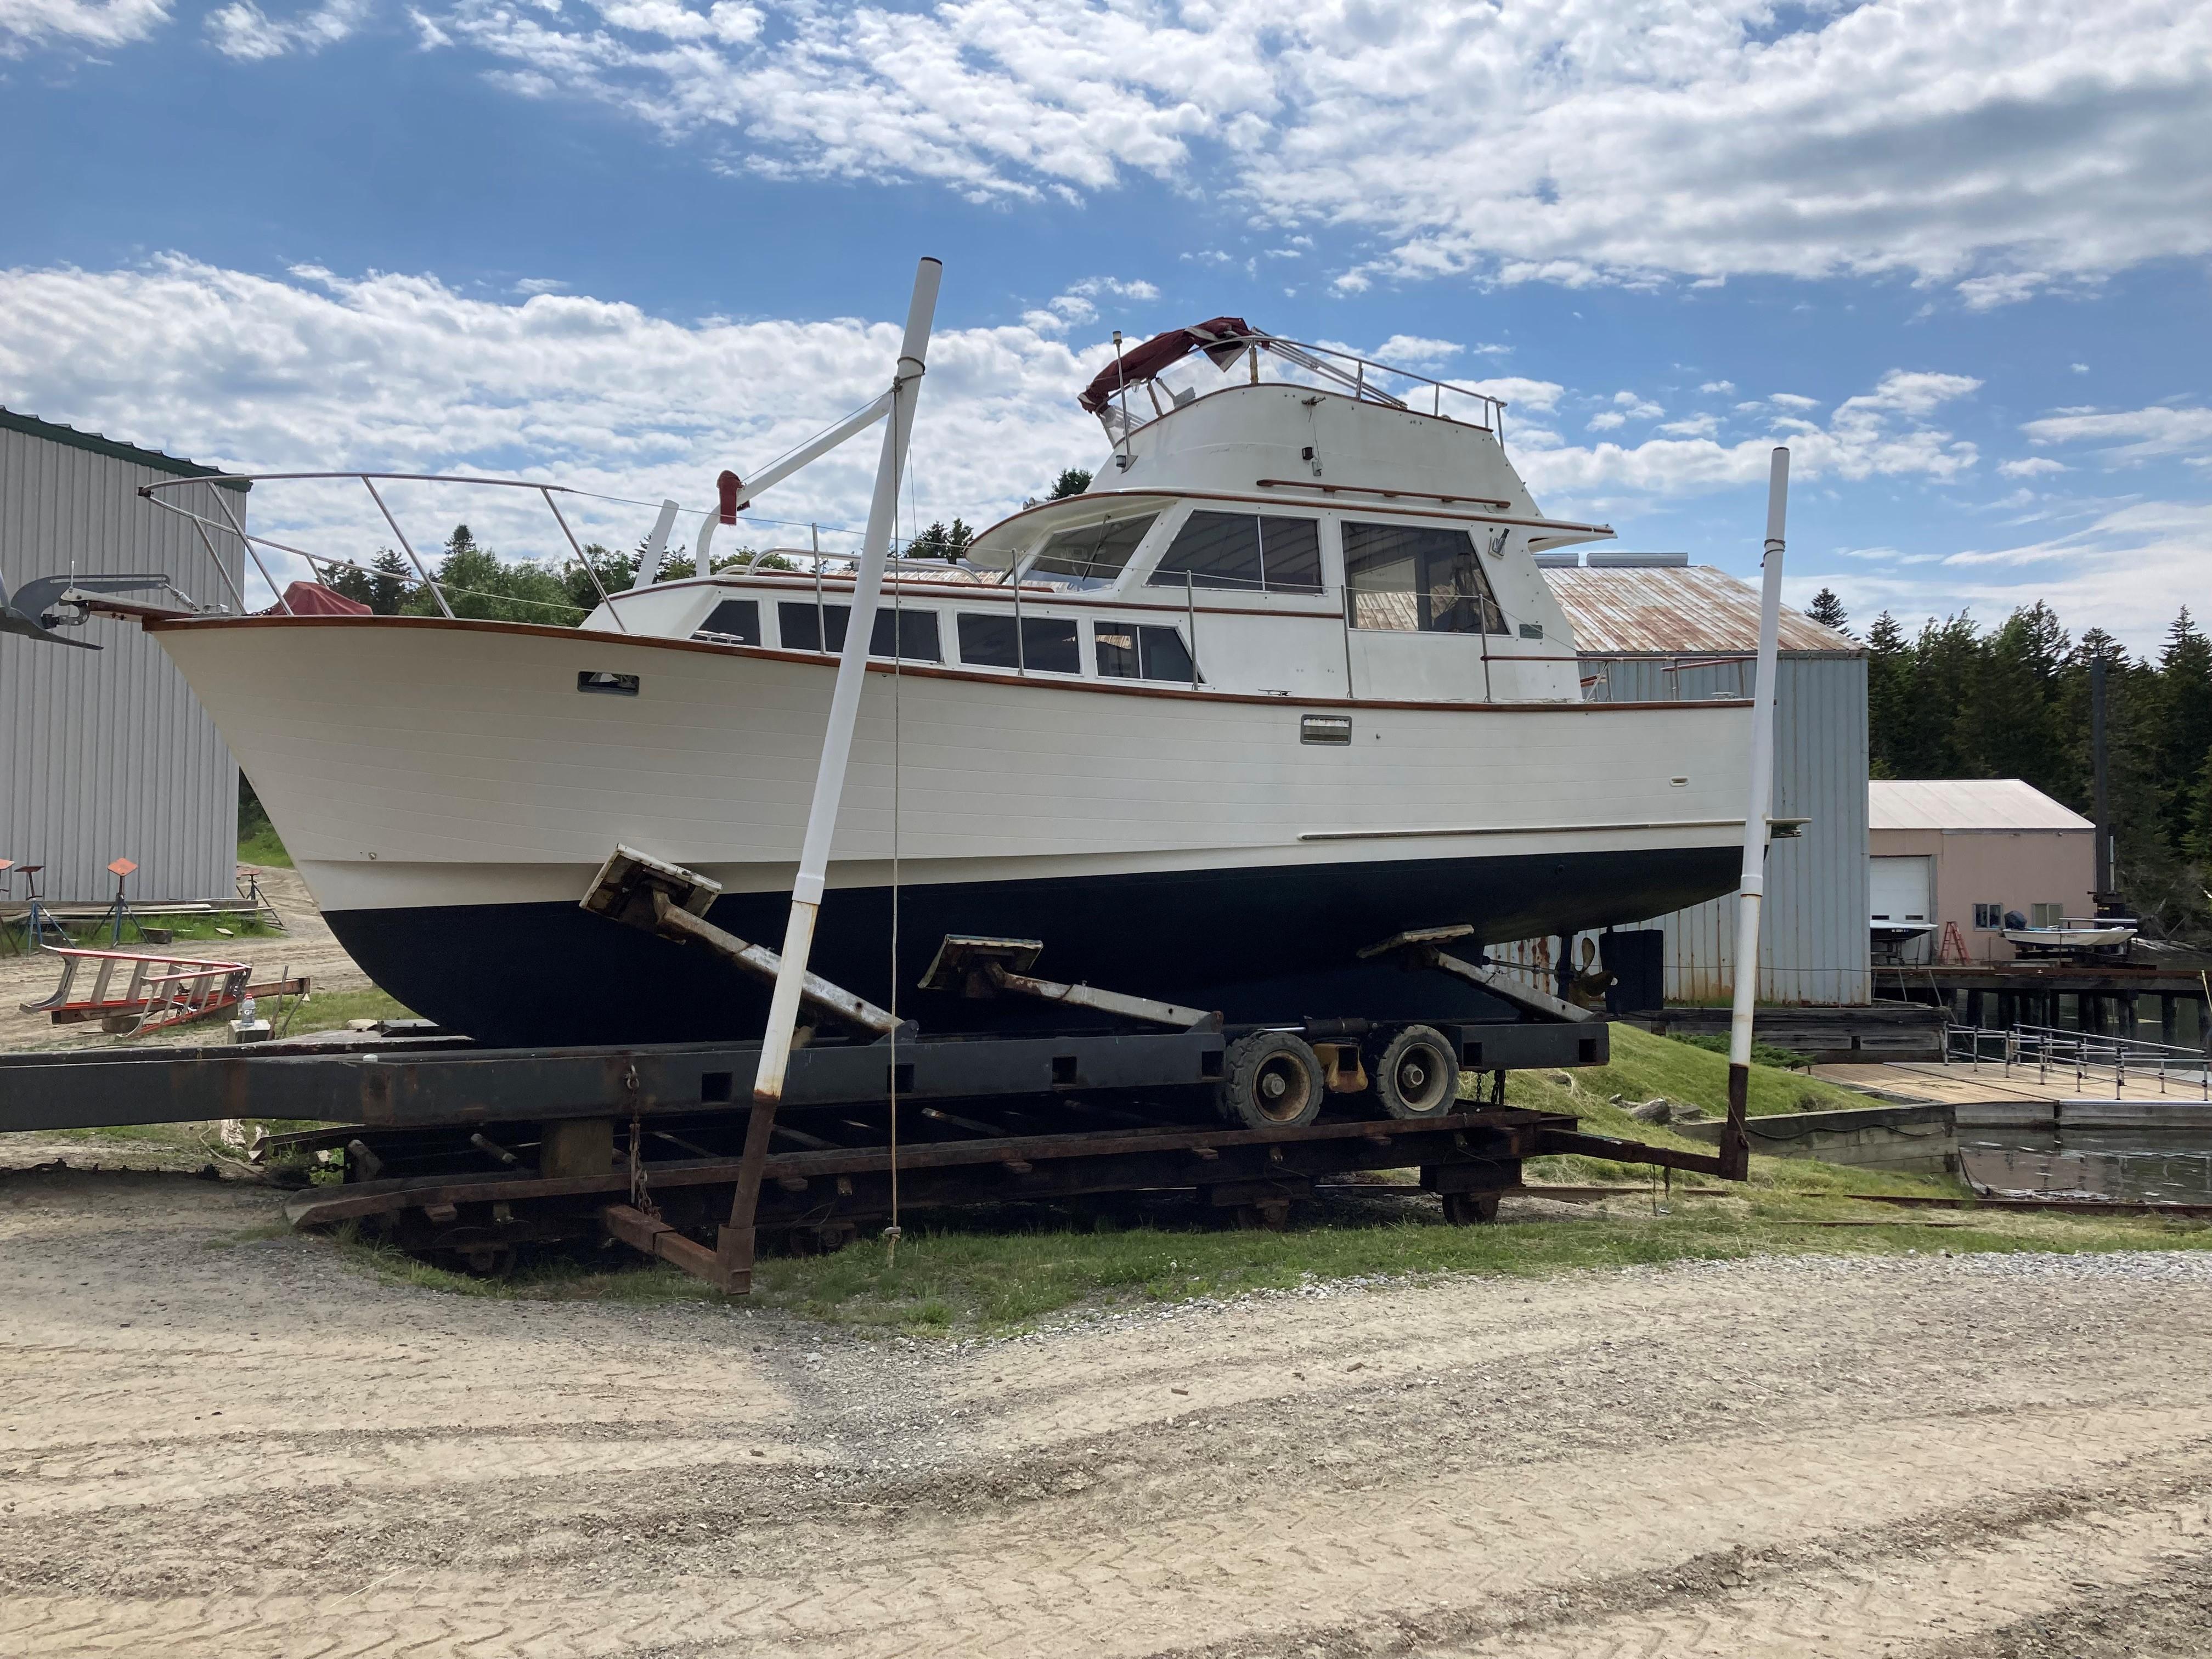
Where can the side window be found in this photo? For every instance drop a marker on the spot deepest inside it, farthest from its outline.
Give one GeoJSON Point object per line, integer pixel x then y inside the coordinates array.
{"type": "Point", "coordinates": [1093, 555]}
{"type": "Point", "coordinates": [1988, 916]}
{"type": "Point", "coordinates": [733, 622]}
{"type": "Point", "coordinates": [802, 627]}
{"type": "Point", "coordinates": [1045, 644]}
{"type": "Point", "coordinates": [1408, 577]}
{"type": "Point", "coordinates": [1133, 651]}
{"type": "Point", "coordinates": [1254, 552]}
{"type": "Point", "coordinates": [915, 632]}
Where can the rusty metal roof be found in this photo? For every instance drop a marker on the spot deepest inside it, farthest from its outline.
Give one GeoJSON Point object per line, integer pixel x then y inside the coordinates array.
{"type": "Point", "coordinates": [1655, 611]}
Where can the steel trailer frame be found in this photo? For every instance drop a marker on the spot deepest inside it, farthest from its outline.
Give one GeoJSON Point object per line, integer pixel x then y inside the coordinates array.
{"type": "Point", "coordinates": [468, 1153]}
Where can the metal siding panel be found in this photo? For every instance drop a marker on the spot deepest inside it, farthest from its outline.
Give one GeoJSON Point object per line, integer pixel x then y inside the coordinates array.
{"type": "Point", "coordinates": [1812, 947]}
{"type": "Point", "coordinates": [107, 754]}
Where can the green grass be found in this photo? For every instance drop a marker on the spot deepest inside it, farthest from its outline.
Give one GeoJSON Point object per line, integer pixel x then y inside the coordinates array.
{"type": "Point", "coordinates": [195, 926]}
{"type": "Point", "coordinates": [955, 1280]}
{"type": "Point", "coordinates": [262, 846]}
{"type": "Point", "coordinates": [327, 1010]}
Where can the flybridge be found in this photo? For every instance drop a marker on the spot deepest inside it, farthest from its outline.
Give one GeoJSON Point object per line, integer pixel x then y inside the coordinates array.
{"type": "Point", "coordinates": [1225, 340]}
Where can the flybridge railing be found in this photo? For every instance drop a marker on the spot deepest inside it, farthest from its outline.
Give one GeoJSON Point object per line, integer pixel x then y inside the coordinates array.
{"type": "Point", "coordinates": [1365, 378]}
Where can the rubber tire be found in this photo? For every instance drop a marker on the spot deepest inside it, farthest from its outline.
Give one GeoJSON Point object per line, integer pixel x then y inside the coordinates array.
{"type": "Point", "coordinates": [1419, 1052]}
{"type": "Point", "coordinates": [1271, 1080]}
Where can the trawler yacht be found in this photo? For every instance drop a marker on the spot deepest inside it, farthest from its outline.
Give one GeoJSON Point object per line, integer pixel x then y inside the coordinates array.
{"type": "Point", "coordinates": [1284, 680]}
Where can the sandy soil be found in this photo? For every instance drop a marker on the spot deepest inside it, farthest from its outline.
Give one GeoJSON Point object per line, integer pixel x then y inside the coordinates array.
{"type": "Point", "coordinates": [254, 1450]}
{"type": "Point", "coordinates": [306, 946]}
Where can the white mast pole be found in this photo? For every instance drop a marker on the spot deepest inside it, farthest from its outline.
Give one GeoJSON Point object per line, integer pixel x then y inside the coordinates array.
{"type": "Point", "coordinates": [1735, 1144]}
{"type": "Point", "coordinates": [845, 702]}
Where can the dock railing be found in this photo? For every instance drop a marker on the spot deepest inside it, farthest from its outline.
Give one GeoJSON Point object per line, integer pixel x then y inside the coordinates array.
{"type": "Point", "coordinates": [2087, 1054]}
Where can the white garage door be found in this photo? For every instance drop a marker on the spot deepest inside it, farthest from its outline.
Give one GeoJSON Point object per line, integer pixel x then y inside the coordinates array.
{"type": "Point", "coordinates": [1903, 888]}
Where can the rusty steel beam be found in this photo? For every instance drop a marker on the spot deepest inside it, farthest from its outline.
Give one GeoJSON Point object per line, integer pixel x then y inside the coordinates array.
{"type": "Point", "coordinates": [1552, 1142]}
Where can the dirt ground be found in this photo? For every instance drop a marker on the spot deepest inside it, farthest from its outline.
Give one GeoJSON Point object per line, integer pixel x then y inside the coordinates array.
{"type": "Point", "coordinates": [222, 1443]}
{"type": "Point", "coordinates": [307, 946]}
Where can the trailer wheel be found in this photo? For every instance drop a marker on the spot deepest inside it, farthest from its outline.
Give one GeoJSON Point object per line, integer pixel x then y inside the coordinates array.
{"type": "Point", "coordinates": [1416, 1074]}
{"type": "Point", "coordinates": [1271, 1080]}
{"type": "Point", "coordinates": [1470, 1209]}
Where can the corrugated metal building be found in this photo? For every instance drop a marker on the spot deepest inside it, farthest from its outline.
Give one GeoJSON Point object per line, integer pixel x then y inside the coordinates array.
{"type": "Point", "coordinates": [107, 754]}
{"type": "Point", "coordinates": [1649, 633]}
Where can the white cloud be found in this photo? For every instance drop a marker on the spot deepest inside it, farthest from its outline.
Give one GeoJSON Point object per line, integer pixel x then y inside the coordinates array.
{"type": "Point", "coordinates": [2000, 147]}
{"type": "Point", "coordinates": [2137, 434]}
{"type": "Point", "coordinates": [243, 31]}
{"type": "Point", "coordinates": [1416, 351]}
{"type": "Point", "coordinates": [1077, 303]}
{"type": "Point", "coordinates": [1608, 421]}
{"type": "Point", "coordinates": [1697, 425]}
{"type": "Point", "coordinates": [2033, 466]}
{"type": "Point", "coordinates": [82, 24]}
{"type": "Point", "coordinates": [1886, 432]}
{"type": "Point", "coordinates": [1793, 400]}
{"type": "Point", "coordinates": [403, 374]}
{"type": "Point", "coordinates": [1719, 388]}
{"type": "Point", "coordinates": [2127, 571]}
{"type": "Point", "coordinates": [2005, 288]}
{"type": "Point", "coordinates": [2080, 369]}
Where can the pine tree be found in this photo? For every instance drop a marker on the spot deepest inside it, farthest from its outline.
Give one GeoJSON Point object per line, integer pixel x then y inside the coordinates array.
{"type": "Point", "coordinates": [1889, 687]}
{"type": "Point", "coordinates": [1072, 480]}
{"type": "Point", "coordinates": [391, 584]}
{"type": "Point", "coordinates": [2197, 842]}
{"type": "Point", "coordinates": [1828, 611]}
{"type": "Point", "coordinates": [2185, 717]}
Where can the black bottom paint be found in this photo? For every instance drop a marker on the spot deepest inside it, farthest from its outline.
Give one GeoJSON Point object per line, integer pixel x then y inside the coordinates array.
{"type": "Point", "coordinates": [1261, 945]}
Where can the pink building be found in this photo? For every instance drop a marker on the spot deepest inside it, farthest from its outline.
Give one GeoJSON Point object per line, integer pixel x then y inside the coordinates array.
{"type": "Point", "coordinates": [1961, 852]}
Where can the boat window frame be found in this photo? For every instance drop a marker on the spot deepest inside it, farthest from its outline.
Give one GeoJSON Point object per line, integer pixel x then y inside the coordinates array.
{"type": "Point", "coordinates": [1156, 575]}
{"type": "Point", "coordinates": [1495, 624]}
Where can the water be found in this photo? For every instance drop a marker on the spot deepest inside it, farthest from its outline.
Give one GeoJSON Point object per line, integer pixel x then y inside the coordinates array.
{"type": "Point", "coordinates": [2137, 1166]}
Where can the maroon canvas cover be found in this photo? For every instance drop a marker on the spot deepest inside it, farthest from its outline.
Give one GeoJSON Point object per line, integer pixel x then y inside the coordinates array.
{"type": "Point", "coordinates": [313, 599]}
{"type": "Point", "coordinates": [1137, 366]}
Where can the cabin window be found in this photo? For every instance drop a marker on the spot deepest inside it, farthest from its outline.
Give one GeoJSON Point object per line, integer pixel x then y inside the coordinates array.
{"type": "Point", "coordinates": [1256, 552]}
{"type": "Point", "coordinates": [733, 622]}
{"type": "Point", "coordinates": [1136, 651]}
{"type": "Point", "coordinates": [1408, 578]}
{"type": "Point", "coordinates": [1094, 555]}
{"type": "Point", "coordinates": [802, 625]}
{"type": "Point", "coordinates": [1045, 644]}
{"type": "Point", "coordinates": [612, 685]}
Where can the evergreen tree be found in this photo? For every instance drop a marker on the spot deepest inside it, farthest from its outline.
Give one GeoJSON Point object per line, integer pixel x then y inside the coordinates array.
{"type": "Point", "coordinates": [939, 542]}
{"type": "Point", "coordinates": [1889, 687]}
{"type": "Point", "coordinates": [2197, 842]}
{"type": "Point", "coordinates": [2186, 716]}
{"type": "Point", "coordinates": [1072, 480]}
{"type": "Point", "coordinates": [391, 584]}
{"type": "Point", "coordinates": [1828, 611]}
{"type": "Point", "coordinates": [2007, 724]}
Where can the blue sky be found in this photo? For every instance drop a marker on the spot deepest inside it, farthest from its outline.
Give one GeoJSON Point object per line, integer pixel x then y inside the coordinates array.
{"type": "Point", "coordinates": [1955, 254]}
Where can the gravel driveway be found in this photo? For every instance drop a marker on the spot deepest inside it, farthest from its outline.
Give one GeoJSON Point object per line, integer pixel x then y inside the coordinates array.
{"type": "Point", "coordinates": [256, 1451]}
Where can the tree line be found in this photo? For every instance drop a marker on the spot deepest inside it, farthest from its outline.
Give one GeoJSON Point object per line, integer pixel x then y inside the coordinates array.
{"type": "Point", "coordinates": [1957, 700]}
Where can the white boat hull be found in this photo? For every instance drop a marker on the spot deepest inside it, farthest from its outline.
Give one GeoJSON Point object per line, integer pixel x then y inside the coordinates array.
{"type": "Point", "coordinates": [448, 791]}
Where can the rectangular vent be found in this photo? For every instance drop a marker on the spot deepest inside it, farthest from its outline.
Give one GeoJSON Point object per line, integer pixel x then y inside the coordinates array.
{"type": "Point", "coordinates": [1532, 630]}
{"type": "Point", "coordinates": [612, 685]}
{"type": "Point", "coordinates": [1325, 728]}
